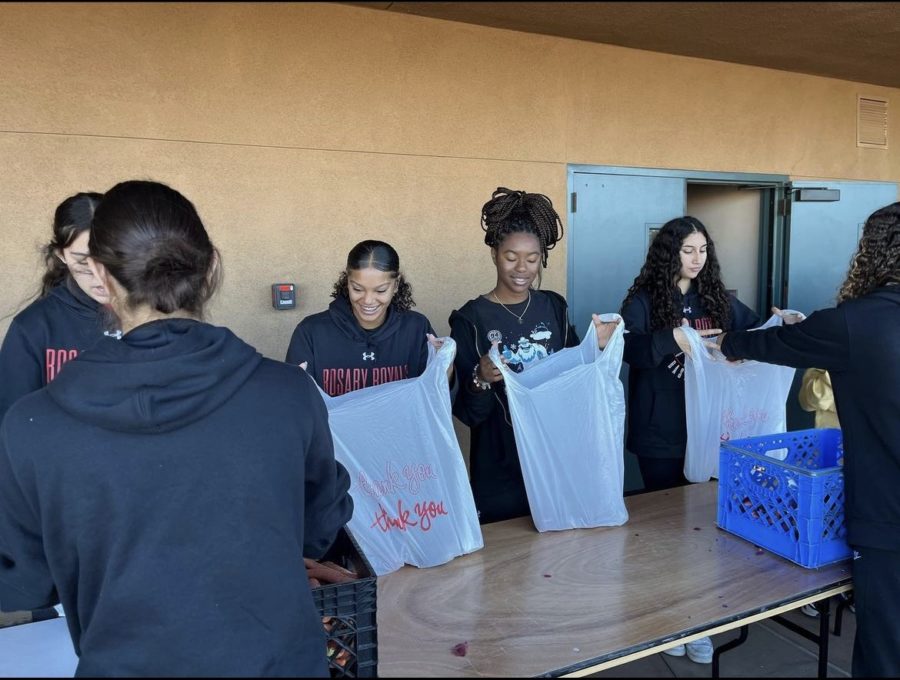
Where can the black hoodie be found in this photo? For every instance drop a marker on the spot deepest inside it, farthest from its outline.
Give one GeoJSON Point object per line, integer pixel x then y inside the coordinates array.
{"type": "Point", "coordinates": [342, 356]}
{"type": "Point", "coordinates": [165, 488]}
{"type": "Point", "coordinates": [858, 343]}
{"type": "Point", "coordinates": [43, 337]}
{"type": "Point", "coordinates": [656, 417]}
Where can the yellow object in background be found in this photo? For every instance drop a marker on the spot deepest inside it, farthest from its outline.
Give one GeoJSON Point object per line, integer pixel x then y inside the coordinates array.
{"type": "Point", "coordinates": [817, 395]}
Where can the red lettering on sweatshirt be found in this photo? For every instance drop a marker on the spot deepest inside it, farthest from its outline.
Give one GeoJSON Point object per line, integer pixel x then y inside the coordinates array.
{"type": "Point", "coordinates": [54, 360]}
{"type": "Point", "coordinates": [389, 374]}
{"type": "Point", "coordinates": [338, 381]}
{"type": "Point", "coordinates": [703, 323]}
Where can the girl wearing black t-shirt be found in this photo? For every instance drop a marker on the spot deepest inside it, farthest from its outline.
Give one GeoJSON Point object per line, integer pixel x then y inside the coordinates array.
{"type": "Point", "coordinates": [526, 325]}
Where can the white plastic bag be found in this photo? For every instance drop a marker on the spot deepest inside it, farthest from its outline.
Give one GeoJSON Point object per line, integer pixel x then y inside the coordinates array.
{"type": "Point", "coordinates": [727, 400]}
{"type": "Point", "coordinates": [568, 416]}
{"type": "Point", "coordinates": [411, 495]}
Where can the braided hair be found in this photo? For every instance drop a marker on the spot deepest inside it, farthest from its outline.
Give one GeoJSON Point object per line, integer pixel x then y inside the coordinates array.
{"type": "Point", "coordinates": [382, 257]}
{"type": "Point", "coordinates": [511, 212]}
{"type": "Point", "coordinates": [876, 262]}
{"type": "Point", "coordinates": [659, 277]}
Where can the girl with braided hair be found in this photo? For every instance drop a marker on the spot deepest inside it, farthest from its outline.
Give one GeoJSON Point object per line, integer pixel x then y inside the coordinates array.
{"type": "Point", "coordinates": [525, 324]}
{"type": "Point", "coordinates": [679, 283]}
{"type": "Point", "coordinates": [369, 334]}
{"type": "Point", "coordinates": [858, 343]}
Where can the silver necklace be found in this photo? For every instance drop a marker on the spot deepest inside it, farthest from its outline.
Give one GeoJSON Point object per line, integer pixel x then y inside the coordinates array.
{"type": "Point", "coordinates": [519, 317]}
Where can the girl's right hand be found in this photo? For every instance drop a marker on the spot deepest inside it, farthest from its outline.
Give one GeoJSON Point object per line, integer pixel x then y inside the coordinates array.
{"type": "Point", "coordinates": [487, 371]}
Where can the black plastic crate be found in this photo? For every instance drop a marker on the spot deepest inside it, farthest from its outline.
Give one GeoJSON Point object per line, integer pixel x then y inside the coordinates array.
{"type": "Point", "coordinates": [351, 608]}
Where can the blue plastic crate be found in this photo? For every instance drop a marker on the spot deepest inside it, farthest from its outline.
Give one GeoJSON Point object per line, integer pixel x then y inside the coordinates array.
{"type": "Point", "coordinates": [785, 493]}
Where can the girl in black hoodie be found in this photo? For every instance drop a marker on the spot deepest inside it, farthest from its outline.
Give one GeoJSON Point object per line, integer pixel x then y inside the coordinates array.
{"type": "Point", "coordinates": [680, 282]}
{"type": "Point", "coordinates": [526, 324]}
{"type": "Point", "coordinates": [369, 335]}
{"type": "Point", "coordinates": [858, 343]}
{"type": "Point", "coordinates": [167, 486]}
{"type": "Point", "coordinates": [66, 318]}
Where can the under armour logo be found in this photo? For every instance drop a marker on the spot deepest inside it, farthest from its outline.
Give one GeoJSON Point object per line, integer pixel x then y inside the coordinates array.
{"type": "Point", "coordinates": [686, 310]}
{"type": "Point", "coordinates": [368, 356]}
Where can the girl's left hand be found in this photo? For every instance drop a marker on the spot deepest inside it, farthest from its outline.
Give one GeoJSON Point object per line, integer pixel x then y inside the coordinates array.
{"type": "Point", "coordinates": [605, 329]}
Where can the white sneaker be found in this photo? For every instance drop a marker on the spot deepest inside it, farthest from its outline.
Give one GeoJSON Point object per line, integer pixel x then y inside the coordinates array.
{"type": "Point", "coordinates": [675, 651]}
{"type": "Point", "coordinates": [810, 610]}
{"type": "Point", "coordinates": [700, 651]}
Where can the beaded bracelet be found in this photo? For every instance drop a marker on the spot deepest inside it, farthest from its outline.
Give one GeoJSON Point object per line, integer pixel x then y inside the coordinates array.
{"type": "Point", "coordinates": [477, 381]}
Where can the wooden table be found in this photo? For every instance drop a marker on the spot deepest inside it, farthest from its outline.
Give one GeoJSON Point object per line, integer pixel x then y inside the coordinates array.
{"type": "Point", "coordinates": [580, 601]}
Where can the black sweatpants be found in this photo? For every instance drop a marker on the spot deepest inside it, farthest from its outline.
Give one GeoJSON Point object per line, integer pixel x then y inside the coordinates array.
{"type": "Point", "coordinates": [662, 473]}
{"type": "Point", "coordinates": [876, 592]}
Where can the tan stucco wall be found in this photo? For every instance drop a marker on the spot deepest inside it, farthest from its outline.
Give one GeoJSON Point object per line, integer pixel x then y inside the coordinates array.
{"type": "Point", "coordinates": [300, 129]}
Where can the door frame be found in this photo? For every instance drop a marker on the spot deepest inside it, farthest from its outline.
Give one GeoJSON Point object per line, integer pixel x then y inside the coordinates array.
{"type": "Point", "coordinates": [773, 191]}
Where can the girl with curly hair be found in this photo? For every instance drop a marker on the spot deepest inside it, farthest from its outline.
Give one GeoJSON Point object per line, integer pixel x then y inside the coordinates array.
{"type": "Point", "coordinates": [858, 343]}
{"type": "Point", "coordinates": [369, 334]}
{"type": "Point", "coordinates": [680, 282]}
{"type": "Point", "coordinates": [526, 324]}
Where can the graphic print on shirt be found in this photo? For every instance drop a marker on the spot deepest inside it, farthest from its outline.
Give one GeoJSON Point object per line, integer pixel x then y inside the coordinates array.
{"type": "Point", "coordinates": [702, 323]}
{"type": "Point", "coordinates": [523, 350]}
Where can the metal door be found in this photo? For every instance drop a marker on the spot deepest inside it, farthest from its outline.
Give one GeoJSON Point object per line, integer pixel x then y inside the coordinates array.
{"type": "Point", "coordinates": [821, 234]}
{"type": "Point", "coordinates": [610, 228]}
{"type": "Point", "coordinates": [822, 237]}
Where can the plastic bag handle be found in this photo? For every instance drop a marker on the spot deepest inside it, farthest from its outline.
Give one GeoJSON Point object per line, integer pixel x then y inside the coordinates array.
{"type": "Point", "coordinates": [439, 360]}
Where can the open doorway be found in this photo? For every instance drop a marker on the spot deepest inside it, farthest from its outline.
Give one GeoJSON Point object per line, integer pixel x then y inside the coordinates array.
{"type": "Point", "coordinates": [732, 216]}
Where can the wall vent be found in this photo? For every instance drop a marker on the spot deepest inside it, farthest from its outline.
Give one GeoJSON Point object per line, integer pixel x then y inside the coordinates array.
{"type": "Point", "coordinates": [871, 122]}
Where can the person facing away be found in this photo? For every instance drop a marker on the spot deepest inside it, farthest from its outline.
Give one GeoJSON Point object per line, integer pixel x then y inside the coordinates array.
{"type": "Point", "coordinates": [525, 324]}
{"type": "Point", "coordinates": [680, 282]}
{"type": "Point", "coordinates": [369, 335]}
{"type": "Point", "coordinates": [66, 318]}
{"type": "Point", "coordinates": [166, 487]}
{"type": "Point", "coordinates": [858, 343]}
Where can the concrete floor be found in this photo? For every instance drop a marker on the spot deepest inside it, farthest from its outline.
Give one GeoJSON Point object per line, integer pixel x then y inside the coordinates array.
{"type": "Point", "coordinates": [771, 651]}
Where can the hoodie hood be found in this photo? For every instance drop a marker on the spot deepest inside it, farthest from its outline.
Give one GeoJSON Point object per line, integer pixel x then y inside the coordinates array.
{"type": "Point", "coordinates": [159, 377]}
{"type": "Point", "coordinates": [889, 293]}
{"type": "Point", "coordinates": [342, 315]}
{"type": "Point", "coordinates": [69, 294]}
